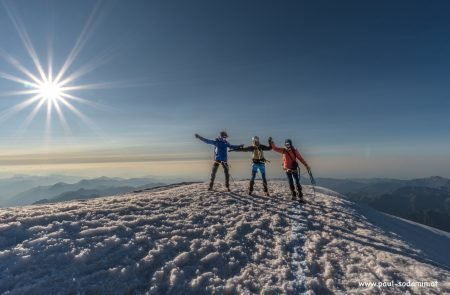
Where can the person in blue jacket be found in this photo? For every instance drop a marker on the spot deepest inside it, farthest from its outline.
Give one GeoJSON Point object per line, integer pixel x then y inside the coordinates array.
{"type": "Point", "coordinates": [220, 156]}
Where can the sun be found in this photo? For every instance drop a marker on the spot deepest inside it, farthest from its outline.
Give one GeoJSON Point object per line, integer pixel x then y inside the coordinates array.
{"type": "Point", "coordinates": [55, 89]}
{"type": "Point", "coordinates": [43, 85]}
{"type": "Point", "coordinates": [50, 92]}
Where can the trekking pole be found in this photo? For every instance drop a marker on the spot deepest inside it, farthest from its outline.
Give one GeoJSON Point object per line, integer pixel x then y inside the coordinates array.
{"type": "Point", "coordinates": [299, 175]}
{"type": "Point", "coordinates": [229, 173]}
{"type": "Point", "coordinates": [234, 182]}
{"type": "Point", "coordinates": [313, 181]}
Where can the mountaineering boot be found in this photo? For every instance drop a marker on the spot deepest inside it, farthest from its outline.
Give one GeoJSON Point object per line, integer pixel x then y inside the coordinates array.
{"type": "Point", "coordinates": [266, 190]}
{"type": "Point", "coordinates": [300, 192]}
{"type": "Point", "coordinates": [250, 187]}
{"type": "Point", "coordinates": [294, 194]}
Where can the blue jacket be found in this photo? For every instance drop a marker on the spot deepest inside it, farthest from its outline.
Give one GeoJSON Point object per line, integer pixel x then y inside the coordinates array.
{"type": "Point", "coordinates": [221, 148]}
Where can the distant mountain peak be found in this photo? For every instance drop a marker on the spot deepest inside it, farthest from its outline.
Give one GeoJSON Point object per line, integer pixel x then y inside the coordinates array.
{"type": "Point", "coordinates": [103, 184]}
{"type": "Point", "coordinates": [437, 178]}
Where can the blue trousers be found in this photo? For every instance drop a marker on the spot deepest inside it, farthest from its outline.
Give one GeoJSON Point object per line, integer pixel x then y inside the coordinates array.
{"type": "Point", "coordinates": [262, 169]}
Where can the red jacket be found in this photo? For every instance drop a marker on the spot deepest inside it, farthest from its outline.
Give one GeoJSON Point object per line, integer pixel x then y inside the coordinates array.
{"type": "Point", "coordinates": [289, 157]}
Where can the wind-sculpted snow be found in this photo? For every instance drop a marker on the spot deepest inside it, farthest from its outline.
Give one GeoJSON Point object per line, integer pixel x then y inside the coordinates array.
{"type": "Point", "coordinates": [298, 230]}
{"type": "Point", "coordinates": [186, 240]}
{"type": "Point", "coordinates": [181, 240]}
{"type": "Point", "coordinates": [343, 249]}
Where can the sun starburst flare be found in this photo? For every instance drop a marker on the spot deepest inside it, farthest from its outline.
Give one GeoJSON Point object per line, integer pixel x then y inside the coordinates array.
{"type": "Point", "coordinates": [43, 87]}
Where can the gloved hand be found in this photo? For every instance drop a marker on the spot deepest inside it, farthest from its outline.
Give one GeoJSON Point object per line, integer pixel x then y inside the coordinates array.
{"type": "Point", "coordinates": [197, 136]}
{"type": "Point", "coordinates": [270, 140]}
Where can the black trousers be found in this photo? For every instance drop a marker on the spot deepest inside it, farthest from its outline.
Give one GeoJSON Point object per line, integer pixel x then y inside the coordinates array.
{"type": "Point", "coordinates": [226, 171]}
{"type": "Point", "coordinates": [292, 176]}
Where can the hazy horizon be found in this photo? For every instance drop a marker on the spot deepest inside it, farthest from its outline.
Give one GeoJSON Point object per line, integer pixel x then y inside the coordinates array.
{"type": "Point", "coordinates": [184, 170]}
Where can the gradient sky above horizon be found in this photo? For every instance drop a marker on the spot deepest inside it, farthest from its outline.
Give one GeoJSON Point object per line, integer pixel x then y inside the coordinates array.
{"type": "Point", "coordinates": [360, 86]}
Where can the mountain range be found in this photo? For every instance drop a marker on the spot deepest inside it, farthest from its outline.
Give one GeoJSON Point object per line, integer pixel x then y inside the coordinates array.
{"type": "Point", "coordinates": [84, 188]}
{"type": "Point", "coordinates": [11, 186]}
{"type": "Point", "coordinates": [83, 194]}
{"type": "Point", "coordinates": [424, 200]}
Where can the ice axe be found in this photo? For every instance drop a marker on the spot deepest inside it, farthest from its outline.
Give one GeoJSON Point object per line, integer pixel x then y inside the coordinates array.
{"type": "Point", "coordinates": [312, 180]}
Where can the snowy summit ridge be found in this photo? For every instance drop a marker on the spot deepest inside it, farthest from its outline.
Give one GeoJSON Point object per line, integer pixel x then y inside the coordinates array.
{"type": "Point", "coordinates": [184, 239]}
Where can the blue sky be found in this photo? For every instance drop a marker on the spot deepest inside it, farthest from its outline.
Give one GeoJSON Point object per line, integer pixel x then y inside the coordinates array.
{"type": "Point", "coordinates": [360, 86]}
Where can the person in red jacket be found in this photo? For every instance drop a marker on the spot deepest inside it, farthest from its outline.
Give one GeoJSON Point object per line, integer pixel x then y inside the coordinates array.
{"type": "Point", "coordinates": [290, 165]}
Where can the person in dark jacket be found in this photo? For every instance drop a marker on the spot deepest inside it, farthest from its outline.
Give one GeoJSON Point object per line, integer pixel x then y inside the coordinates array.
{"type": "Point", "coordinates": [220, 156]}
{"type": "Point", "coordinates": [258, 162]}
{"type": "Point", "coordinates": [290, 165]}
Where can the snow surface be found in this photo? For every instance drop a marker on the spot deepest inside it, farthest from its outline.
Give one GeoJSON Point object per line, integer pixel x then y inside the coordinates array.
{"type": "Point", "coordinates": [186, 240]}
